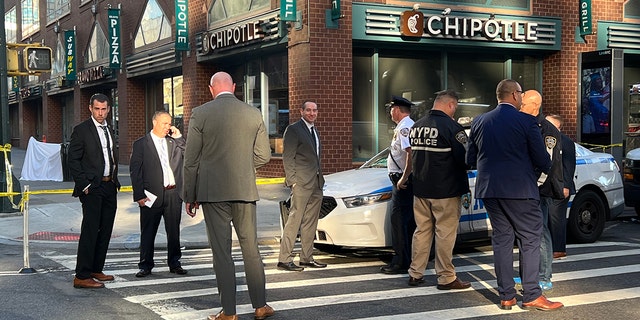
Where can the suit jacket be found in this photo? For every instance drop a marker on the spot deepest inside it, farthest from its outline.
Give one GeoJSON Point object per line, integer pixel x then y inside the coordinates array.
{"type": "Point", "coordinates": [300, 160]}
{"type": "Point", "coordinates": [86, 161]}
{"type": "Point", "coordinates": [227, 141]}
{"type": "Point", "coordinates": [507, 148]}
{"type": "Point", "coordinates": [146, 170]}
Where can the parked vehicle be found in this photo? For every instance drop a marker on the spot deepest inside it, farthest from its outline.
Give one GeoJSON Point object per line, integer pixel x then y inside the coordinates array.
{"type": "Point", "coordinates": [356, 207]}
{"type": "Point", "coordinates": [632, 180]}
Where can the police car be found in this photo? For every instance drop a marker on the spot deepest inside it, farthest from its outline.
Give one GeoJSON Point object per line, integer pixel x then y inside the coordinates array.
{"type": "Point", "coordinates": [356, 205]}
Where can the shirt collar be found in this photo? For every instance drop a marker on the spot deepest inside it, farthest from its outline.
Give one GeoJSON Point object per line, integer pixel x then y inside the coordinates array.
{"type": "Point", "coordinates": [97, 124]}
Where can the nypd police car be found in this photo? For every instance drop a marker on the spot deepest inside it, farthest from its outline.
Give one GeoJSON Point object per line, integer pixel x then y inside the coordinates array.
{"type": "Point", "coordinates": [356, 205]}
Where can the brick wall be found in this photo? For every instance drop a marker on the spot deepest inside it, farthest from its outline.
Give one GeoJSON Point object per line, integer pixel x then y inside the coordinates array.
{"type": "Point", "coordinates": [560, 70]}
{"type": "Point", "coordinates": [52, 117]}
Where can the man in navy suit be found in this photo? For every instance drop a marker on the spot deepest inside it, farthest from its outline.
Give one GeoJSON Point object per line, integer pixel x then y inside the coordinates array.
{"type": "Point", "coordinates": [93, 164]}
{"type": "Point", "coordinates": [156, 168]}
{"type": "Point", "coordinates": [507, 148]}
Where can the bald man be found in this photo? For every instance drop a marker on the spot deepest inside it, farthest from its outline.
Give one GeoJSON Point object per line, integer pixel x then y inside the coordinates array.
{"type": "Point", "coordinates": [551, 186]}
{"type": "Point", "coordinates": [227, 142]}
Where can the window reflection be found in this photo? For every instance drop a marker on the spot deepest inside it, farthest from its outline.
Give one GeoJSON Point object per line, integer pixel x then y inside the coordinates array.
{"type": "Point", "coordinates": [224, 9]}
{"type": "Point", "coordinates": [98, 48]}
{"type": "Point", "coordinates": [154, 26]}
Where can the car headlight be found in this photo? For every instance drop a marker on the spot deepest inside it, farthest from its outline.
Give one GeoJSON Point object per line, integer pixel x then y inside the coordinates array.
{"type": "Point", "coordinates": [366, 199]}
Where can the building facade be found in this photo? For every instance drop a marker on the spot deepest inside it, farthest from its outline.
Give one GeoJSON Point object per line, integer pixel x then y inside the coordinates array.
{"type": "Point", "coordinates": [348, 56]}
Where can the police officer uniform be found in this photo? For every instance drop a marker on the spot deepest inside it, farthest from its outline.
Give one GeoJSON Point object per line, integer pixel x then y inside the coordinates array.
{"type": "Point", "coordinates": [402, 220]}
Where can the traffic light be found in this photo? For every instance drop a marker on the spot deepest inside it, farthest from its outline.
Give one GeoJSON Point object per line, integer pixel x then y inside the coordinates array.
{"type": "Point", "coordinates": [37, 59]}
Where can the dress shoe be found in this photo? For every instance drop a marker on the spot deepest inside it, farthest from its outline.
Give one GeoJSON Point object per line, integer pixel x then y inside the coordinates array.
{"type": "Point", "coordinates": [454, 285]}
{"type": "Point", "coordinates": [393, 269]}
{"type": "Point", "coordinates": [87, 283]}
{"type": "Point", "coordinates": [264, 312]}
{"type": "Point", "coordinates": [178, 270]}
{"type": "Point", "coordinates": [102, 277]}
{"type": "Point", "coordinates": [289, 266]}
{"type": "Point", "coordinates": [559, 255]}
{"type": "Point", "coordinates": [507, 304]}
{"type": "Point", "coordinates": [414, 282]}
{"type": "Point", "coordinates": [542, 304]}
{"type": "Point", "coordinates": [313, 264]}
{"type": "Point", "coordinates": [222, 316]}
{"type": "Point", "coordinates": [143, 273]}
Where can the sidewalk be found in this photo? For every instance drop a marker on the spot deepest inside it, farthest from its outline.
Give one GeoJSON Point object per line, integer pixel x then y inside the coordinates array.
{"type": "Point", "coordinates": [55, 219]}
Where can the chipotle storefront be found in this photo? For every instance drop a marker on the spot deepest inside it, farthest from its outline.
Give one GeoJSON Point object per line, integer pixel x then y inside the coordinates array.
{"type": "Point", "coordinates": [415, 53]}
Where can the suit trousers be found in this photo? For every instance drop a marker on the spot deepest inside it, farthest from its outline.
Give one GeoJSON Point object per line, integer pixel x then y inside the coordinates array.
{"type": "Point", "coordinates": [558, 224]}
{"type": "Point", "coordinates": [303, 216]}
{"type": "Point", "coordinates": [171, 212]}
{"type": "Point", "coordinates": [517, 220]}
{"type": "Point", "coordinates": [98, 216]}
{"type": "Point", "coordinates": [218, 217]}
{"type": "Point", "coordinates": [439, 217]}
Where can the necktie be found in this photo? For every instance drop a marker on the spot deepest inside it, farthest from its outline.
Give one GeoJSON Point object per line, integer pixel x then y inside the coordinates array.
{"type": "Point", "coordinates": [106, 135]}
{"type": "Point", "coordinates": [313, 137]}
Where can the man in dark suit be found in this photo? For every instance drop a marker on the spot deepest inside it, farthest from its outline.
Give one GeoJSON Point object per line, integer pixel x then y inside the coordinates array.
{"type": "Point", "coordinates": [558, 208]}
{"type": "Point", "coordinates": [227, 141]}
{"type": "Point", "coordinates": [156, 171]}
{"type": "Point", "coordinates": [93, 164]}
{"type": "Point", "coordinates": [507, 148]}
{"type": "Point", "coordinates": [303, 174]}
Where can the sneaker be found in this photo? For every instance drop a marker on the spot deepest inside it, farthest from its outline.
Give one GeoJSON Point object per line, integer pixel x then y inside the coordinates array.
{"type": "Point", "coordinates": [545, 285]}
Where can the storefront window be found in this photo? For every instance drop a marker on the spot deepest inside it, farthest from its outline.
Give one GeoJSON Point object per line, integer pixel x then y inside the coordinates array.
{"type": "Point", "coordinates": [56, 8]}
{"type": "Point", "coordinates": [154, 26]}
{"type": "Point", "coordinates": [224, 9]}
{"type": "Point", "coordinates": [30, 17]}
{"type": "Point", "coordinates": [513, 4]}
{"type": "Point", "coordinates": [172, 93]}
{"type": "Point", "coordinates": [475, 81]}
{"type": "Point", "coordinates": [98, 48]}
{"type": "Point", "coordinates": [632, 9]}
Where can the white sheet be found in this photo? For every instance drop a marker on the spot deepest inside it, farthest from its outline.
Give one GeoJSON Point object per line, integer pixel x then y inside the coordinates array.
{"type": "Point", "coordinates": [42, 162]}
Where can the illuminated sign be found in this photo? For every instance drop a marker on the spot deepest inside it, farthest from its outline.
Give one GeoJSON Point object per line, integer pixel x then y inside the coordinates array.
{"type": "Point", "coordinates": [230, 37]}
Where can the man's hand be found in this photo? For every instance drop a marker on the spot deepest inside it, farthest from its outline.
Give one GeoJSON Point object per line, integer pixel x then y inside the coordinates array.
{"type": "Point", "coordinates": [402, 183]}
{"type": "Point", "coordinates": [565, 191]}
{"type": "Point", "coordinates": [191, 208]}
{"type": "Point", "coordinates": [142, 201]}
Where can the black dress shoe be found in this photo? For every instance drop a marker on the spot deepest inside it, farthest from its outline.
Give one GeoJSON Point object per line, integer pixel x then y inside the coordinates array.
{"type": "Point", "coordinates": [313, 264]}
{"type": "Point", "coordinates": [415, 282]}
{"type": "Point", "coordinates": [289, 266]}
{"type": "Point", "coordinates": [393, 269]}
{"type": "Point", "coordinates": [143, 273]}
{"type": "Point", "coordinates": [178, 270]}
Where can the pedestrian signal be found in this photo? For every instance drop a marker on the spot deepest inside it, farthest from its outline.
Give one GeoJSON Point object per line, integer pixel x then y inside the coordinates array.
{"type": "Point", "coordinates": [37, 59]}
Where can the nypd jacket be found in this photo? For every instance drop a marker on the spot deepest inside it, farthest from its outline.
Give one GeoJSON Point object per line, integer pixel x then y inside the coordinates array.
{"type": "Point", "coordinates": [438, 154]}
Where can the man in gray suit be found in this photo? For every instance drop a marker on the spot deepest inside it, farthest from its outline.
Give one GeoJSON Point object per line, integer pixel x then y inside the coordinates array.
{"type": "Point", "coordinates": [156, 172]}
{"type": "Point", "coordinates": [303, 174]}
{"type": "Point", "coordinates": [227, 141]}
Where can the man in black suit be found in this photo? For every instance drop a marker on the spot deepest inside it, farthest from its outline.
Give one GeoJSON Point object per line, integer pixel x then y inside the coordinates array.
{"type": "Point", "coordinates": [156, 171]}
{"type": "Point", "coordinates": [303, 174]}
{"type": "Point", "coordinates": [227, 142]}
{"type": "Point", "coordinates": [507, 148]}
{"type": "Point", "coordinates": [93, 164]}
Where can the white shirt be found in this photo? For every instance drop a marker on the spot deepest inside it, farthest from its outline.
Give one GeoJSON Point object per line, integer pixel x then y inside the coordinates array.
{"type": "Point", "coordinates": [309, 126]}
{"type": "Point", "coordinates": [167, 173]}
{"type": "Point", "coordinates": [399, 143]}
{"type": "Point", "coordinates": [103, 142]}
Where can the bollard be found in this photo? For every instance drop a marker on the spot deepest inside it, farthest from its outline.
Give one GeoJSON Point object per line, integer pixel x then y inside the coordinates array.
{"type": "Point", "coordinates": [25, 238]}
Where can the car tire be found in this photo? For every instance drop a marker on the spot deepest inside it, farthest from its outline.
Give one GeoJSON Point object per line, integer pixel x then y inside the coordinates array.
{"type": "Point", "coordinates": [586, 218]}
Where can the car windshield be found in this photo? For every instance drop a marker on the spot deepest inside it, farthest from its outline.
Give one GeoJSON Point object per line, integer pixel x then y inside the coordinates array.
{"type": "Point", "coordinates": [378, 161]}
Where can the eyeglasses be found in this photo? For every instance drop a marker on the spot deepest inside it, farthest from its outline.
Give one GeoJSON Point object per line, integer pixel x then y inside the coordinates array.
{"type": "Point", "coordinates": [518, 91]}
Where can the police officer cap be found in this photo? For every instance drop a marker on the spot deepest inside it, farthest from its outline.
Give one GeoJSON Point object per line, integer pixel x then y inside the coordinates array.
{"type": "Point", "coordinates": [400, 101]}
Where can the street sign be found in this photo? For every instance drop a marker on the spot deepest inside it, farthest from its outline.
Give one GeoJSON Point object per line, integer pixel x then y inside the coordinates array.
{"type": "Point", "coordinates": [37, 59]}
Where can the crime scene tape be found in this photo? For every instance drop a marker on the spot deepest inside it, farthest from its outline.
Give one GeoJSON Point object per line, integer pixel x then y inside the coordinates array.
{"type": "Point", "coordinates": [599, 146]}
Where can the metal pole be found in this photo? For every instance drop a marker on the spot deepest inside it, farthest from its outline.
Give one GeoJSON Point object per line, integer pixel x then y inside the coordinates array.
{"type": "Point", "coordinates": [25, 238]}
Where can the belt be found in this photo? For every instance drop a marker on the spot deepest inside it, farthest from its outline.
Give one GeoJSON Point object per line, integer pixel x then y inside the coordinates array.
{"type": "Point", "coordinates": [106, 178]}
{"type": "Point", "coordinates": [173, 186]}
